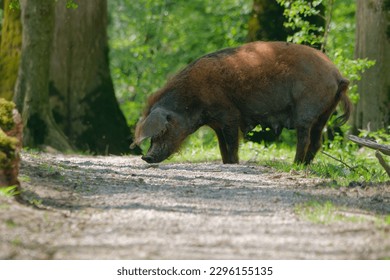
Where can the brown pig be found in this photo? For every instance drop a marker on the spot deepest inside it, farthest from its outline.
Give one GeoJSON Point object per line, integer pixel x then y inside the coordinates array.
{"type": "Point", "coordinates": [274, 84]}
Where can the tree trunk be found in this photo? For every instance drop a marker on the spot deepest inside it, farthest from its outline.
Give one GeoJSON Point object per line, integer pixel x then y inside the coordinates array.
{"type": "Point", "coordinates": [32, 92]}
{"type": "Point", "coordinates": [373, 42]}
{"type": "Point", "coordinates": [266, 22]}
{"type": "Point", "coordinates": [10, 46]}
{"type": "Point", "coordinates": [81, 90]}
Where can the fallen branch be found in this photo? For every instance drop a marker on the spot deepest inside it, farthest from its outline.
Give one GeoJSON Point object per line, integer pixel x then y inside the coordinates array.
{"type": "Point", "coordinates": [370, 144]}
{"type": "Point", "coordinates": [339, 160]}
{"type": "Point", "coordinates": [378, 147]}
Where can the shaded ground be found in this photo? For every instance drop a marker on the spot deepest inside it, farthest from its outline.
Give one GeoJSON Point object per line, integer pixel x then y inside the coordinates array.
{"type": "Point", "coordinates": [84, 207]}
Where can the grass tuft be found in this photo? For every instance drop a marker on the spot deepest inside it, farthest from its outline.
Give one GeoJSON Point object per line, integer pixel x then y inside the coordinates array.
{"type": "Point", "coordinates": [9, 191]}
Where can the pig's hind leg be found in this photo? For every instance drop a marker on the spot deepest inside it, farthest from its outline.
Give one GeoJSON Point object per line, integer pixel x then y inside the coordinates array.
{"type": "Point", "coordinates": [303, 143]}
{"type": "Point", "coordinates": [316, 137]}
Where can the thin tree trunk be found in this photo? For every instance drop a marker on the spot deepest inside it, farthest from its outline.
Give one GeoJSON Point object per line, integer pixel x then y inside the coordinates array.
{"type": "Point", "coordinates": [10, 46]}
{"type": "Point", "coordinates": [81, 89]}
{"type": "Point", "coordinates": [373, 42]}
{"type": "Point", "coordinates": [32, 92]}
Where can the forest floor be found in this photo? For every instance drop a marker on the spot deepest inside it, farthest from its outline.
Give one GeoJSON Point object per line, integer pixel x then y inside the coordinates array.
{"type": "Point", "coordinates": [86, 207]}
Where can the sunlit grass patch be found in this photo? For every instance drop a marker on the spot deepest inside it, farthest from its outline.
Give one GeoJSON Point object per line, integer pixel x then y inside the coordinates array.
{"type": "Point", "coordinates": [319, 213]}
{"type": "Point", "coordinates": [9, 191]}
{"type": "Point", "coordinates": [328, 213]}
{"type": "Point", "coordinates": [202, 146]}
{"type": "Point", "coordinates": [387, 220]}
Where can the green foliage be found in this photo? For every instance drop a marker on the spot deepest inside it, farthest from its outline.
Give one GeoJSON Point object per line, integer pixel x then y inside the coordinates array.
{"type": "Point", "coordinates": [7, 150]}
{"type": "Point", "coordinates": [381, 136]}
{"type": "Point", "coordinates": [9, 191]}
{"type": "Point", "coordinates": [199, 147]}
{"type": "Point", "coordinates": [152, 40]}
{"type": "Point", "coordinates": [348, 166]}
{"type": "Point", "coordinates": [14, 4]}
{"type": "Point", "coordinates": [6, 116]}
{"type": "Point", "coordinates": [296, 13]}
{"type": "Point", "coordinates": [342, 28]}
{"type": "Point", "coordinates": [353, 69]}
{"type": "Point", "coordinates": [8, 145]}
{"type": "Point", "coordinates": [71, 4]}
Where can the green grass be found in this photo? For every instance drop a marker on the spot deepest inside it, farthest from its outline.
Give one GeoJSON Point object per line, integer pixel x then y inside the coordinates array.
{"type": "Point", "coordinates": [328, 213]}
{"type": "Point", "coordinates": [323, 213]}
{"type": "Point", "coordinates": [353, 165]}
{"type": "Point", "coordinates": [387, 220]}
{"type": "Point", "coordinates": [10, 223]}
{"type": "Point", "coordinates": [9, 191]}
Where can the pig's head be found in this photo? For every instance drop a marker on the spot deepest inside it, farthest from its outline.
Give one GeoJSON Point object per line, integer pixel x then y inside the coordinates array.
{"type": "Point", "coordinates": [167, 130]}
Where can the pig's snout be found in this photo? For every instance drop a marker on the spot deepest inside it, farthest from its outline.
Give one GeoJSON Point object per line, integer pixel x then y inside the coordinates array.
{"type": "Point", "coordinates": [148, 159]}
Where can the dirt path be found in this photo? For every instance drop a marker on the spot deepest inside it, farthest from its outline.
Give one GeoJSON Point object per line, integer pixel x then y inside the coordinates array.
{"type": "Point", "coordinates": [120, 207]}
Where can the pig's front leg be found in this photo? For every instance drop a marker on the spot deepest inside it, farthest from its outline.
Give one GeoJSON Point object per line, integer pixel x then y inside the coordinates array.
{"type": "Point", "coordinates": [228, 143]}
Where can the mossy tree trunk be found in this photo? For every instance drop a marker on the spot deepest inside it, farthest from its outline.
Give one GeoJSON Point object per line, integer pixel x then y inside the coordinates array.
{"type": "Point", "coordinates": [81, 89]}
{"type": "Point", "coordinates": [32, 91]}
{"type": "Point", "coordinates": [373, 42]}
{"type": "Point", "coordinates": [10, 47]}
{"type": "Point", "coordinates": [11, 131]}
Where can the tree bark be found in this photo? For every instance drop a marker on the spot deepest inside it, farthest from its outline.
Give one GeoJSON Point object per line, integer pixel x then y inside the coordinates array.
{"type": "Point", "coordinates": [32, 92]}
{"type": "Point", "coordinates": [10, 47]}
{"type": "Point", "coordinates": [373, 42]}
{"type": "Point", "coordinates": [81, 90]}
{"type": "Point", "coordinates": [385, 149]}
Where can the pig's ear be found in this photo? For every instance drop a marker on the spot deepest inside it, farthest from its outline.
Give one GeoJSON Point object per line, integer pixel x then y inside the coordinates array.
{"type": "Point", "coordinates": [155, 123]}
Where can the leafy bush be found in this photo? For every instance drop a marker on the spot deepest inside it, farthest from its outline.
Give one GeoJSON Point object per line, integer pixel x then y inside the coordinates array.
{"type": "Point", "coordinates": [296, 13]}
